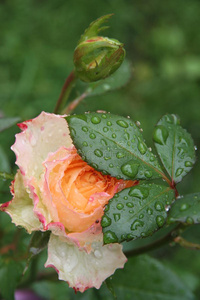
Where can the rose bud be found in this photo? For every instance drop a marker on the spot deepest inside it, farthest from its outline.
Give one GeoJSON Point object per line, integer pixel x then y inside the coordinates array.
{"type": "Point", "coordinates": [97, 57]}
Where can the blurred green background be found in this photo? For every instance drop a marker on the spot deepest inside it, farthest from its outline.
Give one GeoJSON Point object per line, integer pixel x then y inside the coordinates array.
{"type": "Point", "coordinates": [162, 40]}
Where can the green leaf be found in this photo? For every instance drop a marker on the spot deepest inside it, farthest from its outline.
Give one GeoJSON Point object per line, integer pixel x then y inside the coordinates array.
{"type": "Point", "coordinates": [136, 212]}
{"type": "Point", "coordinates": [186, 210]}
{"type": "Point", "coordinates": [113, 145]}
{"type": "Point", "coordinates": [8, 122]}
{"type": "Point", "coordinates": [145, 278]}
{"type": "Point", "coordinates": [10, 275]}
{"type": "Point", "coordinates": [38, 243]}
{"type": "Point", "coordinates": [116, 81]}
{"type": "Point", "coordinates": [174, 146]}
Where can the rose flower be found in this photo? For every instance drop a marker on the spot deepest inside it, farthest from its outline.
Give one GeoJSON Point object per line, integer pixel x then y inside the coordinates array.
{"type": "Point", "coordinates": [55, 190]}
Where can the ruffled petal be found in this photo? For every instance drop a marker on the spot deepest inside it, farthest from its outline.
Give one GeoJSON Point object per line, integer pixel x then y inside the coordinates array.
{"type": "Point", "coordinates": [80, 269]}
{"type": "Point", "coordinates": [40, 136]}
{"type": "Point", "coordinates": [21, 207]}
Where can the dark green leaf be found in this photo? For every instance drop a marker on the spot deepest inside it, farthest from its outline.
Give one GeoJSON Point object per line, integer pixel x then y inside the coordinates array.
{"type": "Point", "coordinates": [186, 210]}
{"type": "Point", "coordinates": [119, 79]}
{"type": "Point", "coordinates": [174, 146]}
{"type": "Point", "coordinates": [113, 145]}
{"type": "Point", "coordinates": [37, 244]}
{"type": "Point", "coordinates": [8, 122]}
{"type": "Point", "coordinates": [145, 278]}
{"type": "Point", "coordinates": [136, 212]}
{"type": "Point", "coordinates": [10, 275]}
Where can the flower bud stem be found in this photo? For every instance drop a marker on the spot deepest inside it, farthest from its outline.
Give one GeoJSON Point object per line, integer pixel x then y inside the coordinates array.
{"type": "Point", "coordinates": [70, 108]}
{"type": "Point", "coordinates": [65, 92]}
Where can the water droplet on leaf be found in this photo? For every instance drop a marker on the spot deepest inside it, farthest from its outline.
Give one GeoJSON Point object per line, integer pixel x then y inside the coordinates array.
{"type": "Point", "coordinates": [96, 120]}
{"type": "Point", "coordinates": [117, 217]}
{"type": "Point", "coordinates": [98, 153]}
{"type": "Point", "coordinates": [106, 221]}
{"type": "Point", "coordinates": [110, 237]}
{"type": "Point", "coordinates": [136, 224]}
{"type": "Point", "coordinates": [122, 123]}
{"type": "Point", "coordinates": [160, 221]}
{"type": "Point", "coordinates": [139, 192]}
{"type": "Point", "coordinates": [130, 169]}
{"type": "Point", "coordinates": [92, 136]}
{"type": "Point", "coordinates": [120, 206]}
{"type": "Point", "coordinates": [160, 135]}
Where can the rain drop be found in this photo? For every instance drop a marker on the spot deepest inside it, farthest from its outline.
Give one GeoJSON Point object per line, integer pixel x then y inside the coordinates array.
{"type": "Point", "coordinates": [130, 169]}
{"type": "Point", "coordinates": [148, 174]}
{"type": "Point", "coordinates": [110, 237]}
{"type": "Point", "coordinates": [109, 123]}
{"type": "Point", "coordinates": [85, 129]}
{"type": "Point", "coordinates": [159, 206]}
{"type": "Point", "coordinates": [103, 142]}
{"type": "Point", "coordinates": [117, 217]}
{"type": "Point", "coordinates": [92, 136]}
{"type": "Point", "coordinates": [188, 164]}
{"type": "Point", "coordinates": [184, 207]}
{"type": "Point", "coordinates": [189, 220]}
{"type": "Point", "coordinates": [114, 135]}
{"type": "Point", "coordinates": [120, 155]}
{"type": "Point", "coordinates": [97, 254]}
{"type": "Point", "coordinates": [105, 129]}
{"type": "Point", "coordinates": [142, 147]}
{"type": "Point", "coordinates": [127, 136]}
{"type": "Point", "coordinates": [106, 221]}
{"type": "Point", "coordinates": [96, 120]}
{"type": "Point", "coordinates": [139, 192]}
{"type": "Point", "coordinates": [136, 224]}
{"type": "Point", "coordinates": [130, 204]}
{"type": "Point", "coordinates": [160, 135]}
{"type": "Point", "coordinates": [122, 123]}
{"type": "Point", "coordinates": [120, 206]}
{"type": "Point", "coordinates": [85, 144]}
{"type": "Point", "coordinates": [179, 171]}
{"type": "Point", "coordinates": [160, 221]}
{"type": "Point", "coordinates": [98, 153]}
{"type": "Point", "coordinates": [149, 211]}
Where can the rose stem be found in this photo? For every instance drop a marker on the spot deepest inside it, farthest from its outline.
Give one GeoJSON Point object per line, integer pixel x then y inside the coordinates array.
{"type": "Point", "coordinates": [70, 108]}
{"type": "Point", "coordinates": [169, 237]}
{"type": "Point", "coordinates": [65, 92]}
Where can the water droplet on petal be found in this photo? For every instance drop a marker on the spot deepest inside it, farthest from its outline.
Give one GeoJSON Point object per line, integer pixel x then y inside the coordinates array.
{"type": "Point", "coordinates": [122, 123]}
{"type": "Point", "coordinates": [160, 135]}
{"type": "Point", "coordinates": [96, 120]}
{"type": "Point", "coordinates": [97, 254]}
{"type": "Point", "coordinates": [130, 169]}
